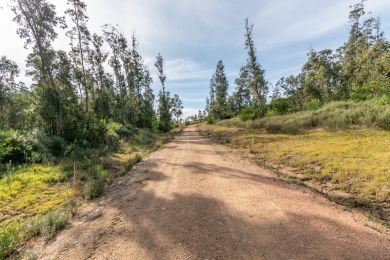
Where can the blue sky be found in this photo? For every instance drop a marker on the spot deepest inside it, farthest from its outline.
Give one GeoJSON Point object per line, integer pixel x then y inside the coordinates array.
{"type": "Point", "coordinates": [192, 35]}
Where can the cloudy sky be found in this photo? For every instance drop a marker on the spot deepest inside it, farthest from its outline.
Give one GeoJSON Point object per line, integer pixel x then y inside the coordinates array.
{"type": "Point", "coordinates": [192, 35]}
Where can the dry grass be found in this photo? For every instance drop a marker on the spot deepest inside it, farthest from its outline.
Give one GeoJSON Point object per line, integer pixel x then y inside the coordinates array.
{"type": "Point", "coordinates": [355, 161]}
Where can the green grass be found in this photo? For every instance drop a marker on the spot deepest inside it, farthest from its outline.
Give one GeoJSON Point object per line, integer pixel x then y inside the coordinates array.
{"type": "Point", "coordinates": [38, 200]}
{"type": "Point", "coordinates": [32, 190]}
{"type": "Point", "coordinates": [355, 161]}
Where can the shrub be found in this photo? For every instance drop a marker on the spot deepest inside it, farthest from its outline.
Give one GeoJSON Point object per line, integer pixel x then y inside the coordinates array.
{"type": "Point", "coordinates": [248, 113]}
{"type": "Point", "coordinates": [313, 104]}
{"type": "Point", "coordinates": [127, 131]}
{"type": "Point", "coordinates": [11, 236]}
{"type": "Point", "coordinates": [49, 224]}
{"type": "Point", "coordinates": [96, 179]}
{"type": "Point", "coordinates": [384, 120]}
{"type": "Point", "coordinates": [210, 120]}
{"type": "Point", "coordinates": [132, 161]}
{"type": "Point", "coordinates": [13, 148]}
{"type": "Point", "coordinates": [93, 188]}
{"type": "Point", "coordinates": [55, 145]}
{"type": "Point", "coordinates": [279, 106]}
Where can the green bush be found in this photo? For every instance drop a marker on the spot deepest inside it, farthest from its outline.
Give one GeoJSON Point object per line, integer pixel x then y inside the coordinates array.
{"type": "Point", "coordinates": [55, 145]}
{"type": "Point", "coordinates": [313, 104]}
{"type": "Point", "coordinates": [248, 113]}
{"type": "Point", "coordinates": [210, 120]}
{"type": "Point", "coordinates": [279, 106]}
{"type": "Point", "coordinates": [49, 224]}
{"type": "Point", "coordinates": [96, 179]}
{"type": "Point", "coordinates": [13, 148]}
{"type": "Point", "coordinates": [11, 236]}
{"type": "Point", "coordinates": [93, 188]}
{"type": "Point", "coordinates": [126, 131]}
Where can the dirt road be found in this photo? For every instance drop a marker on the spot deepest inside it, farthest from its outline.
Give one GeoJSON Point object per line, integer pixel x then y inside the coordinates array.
{"type": "Point", "coordinates": [195, 199]}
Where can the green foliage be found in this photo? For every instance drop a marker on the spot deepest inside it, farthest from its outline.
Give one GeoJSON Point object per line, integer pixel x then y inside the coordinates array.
{"type": "Point", "coordinates": [210, 120]}
{"type": "Point", "coordinates": [55, 145]}
{"type": "Point", "coordinates": [11, 236]}
{"type": "Point", "coordinates": [248, 113]}
{"type": "Point", "coordinates": [278, 106]}
{"type": "Point", "coordinates": [219, 87]}
{"type": "Point", "coordinates": [13, 148]}
{"type": "Point", "coordinates": [96, 179]}
{"type": "Point", "coordinates": [313, 104]}
{"type": "Point", "coordinates": [49, 224]}
{"type": "Point", "coordinates": [93, 188]}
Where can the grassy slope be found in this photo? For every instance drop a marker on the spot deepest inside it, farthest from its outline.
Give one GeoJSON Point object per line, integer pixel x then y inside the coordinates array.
{"type": "Point", "coordinates": [355, 161]}
{"type": "Point", "coordinates": [36, 198]}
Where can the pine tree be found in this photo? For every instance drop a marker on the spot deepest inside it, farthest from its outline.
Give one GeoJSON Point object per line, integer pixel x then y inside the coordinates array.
{"type": "Point", "coordinates": [219, 108]}
{"type": "Point", "coordinates": [241, 96]}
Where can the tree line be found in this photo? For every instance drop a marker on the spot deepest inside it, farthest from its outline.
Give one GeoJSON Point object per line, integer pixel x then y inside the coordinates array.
{"type": "Point", "coordinates": [358, 70]}
{"type": "Point", "coordinates": [73, 95]}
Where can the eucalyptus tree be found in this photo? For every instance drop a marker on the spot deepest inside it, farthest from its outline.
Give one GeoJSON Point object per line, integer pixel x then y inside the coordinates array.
{"type": "Point", "coordinates": [37, 20]}
{"type": "Point", "coordinates": [80, 47]}
{"type": "Point", "coordinates": [165, 102]}
{"type": "Point", "coordinates": [104, 98]}
{"type": "Point", "coordinates": [9, 70]}
{"type": "Point", "coordinates": [177, 107]}
{"type": "Point", "coordinates": [113, 38]}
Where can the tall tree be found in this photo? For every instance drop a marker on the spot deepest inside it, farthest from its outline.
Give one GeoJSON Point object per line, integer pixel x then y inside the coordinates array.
{"type": "Point", "coordinates": [165, 104]}
{"type": "Point", "coordinates": [80, 40]}
{"type": "Point", "coordinates": [242, 94]}
{"type": "Point", "coordinates": [177, 107]}
{"type": "Point", "coordinates": [8, 72]}
{"type": "Point", "coordinates": [113, 38]}
{"type": "Point", "coordinates": [258, 84]}
{"type": "Point", "coordinates": [219, 107]}
{"type": "Point", "coordinates": [37, 20]}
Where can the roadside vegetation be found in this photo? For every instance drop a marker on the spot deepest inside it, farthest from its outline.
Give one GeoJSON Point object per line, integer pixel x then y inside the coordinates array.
{"type": "Point", "coordinates": [328, 126]}
{"type": "Point", "coordinates": [76, 127]}
{"type": "Point", "coordinates": [38, 199]}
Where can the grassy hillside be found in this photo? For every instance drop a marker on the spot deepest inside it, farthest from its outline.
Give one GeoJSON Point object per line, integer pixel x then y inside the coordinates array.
{"type": "Point", "coordinates": [333, 116]}
{"type": "Point", "coordinates": [346, 149]}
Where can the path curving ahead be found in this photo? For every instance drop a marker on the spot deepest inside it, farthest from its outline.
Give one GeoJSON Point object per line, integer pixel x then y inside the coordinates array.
{"type": "Point", "coordinates": [194, 199]}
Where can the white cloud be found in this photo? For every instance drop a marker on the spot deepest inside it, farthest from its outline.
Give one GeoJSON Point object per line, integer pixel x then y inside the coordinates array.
{"type": "Point", "coordinates": [190, 111]}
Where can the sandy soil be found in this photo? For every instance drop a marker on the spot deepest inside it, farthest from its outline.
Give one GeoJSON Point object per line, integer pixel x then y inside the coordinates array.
{"type": "Point", "coordinates": [194, 199]}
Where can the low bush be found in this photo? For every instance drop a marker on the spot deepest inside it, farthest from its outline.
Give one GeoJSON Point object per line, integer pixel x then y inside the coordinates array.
{"type": "Point", "coordinates": [49, 224]}
{"type": "Point", "coordinates": [93, 188]}
{"type": "Point", "coordinates": [13, 148]}
{"type": "Point", "coordinates": [96, 179]}
{"type": "Point", "coordinates": [210, 120]}
{"type": "Point", "coordinates": [384, 120]}
{"type": "Point", "coordinates": [11, 236]}
{"type": "Point", "coordinates": [132, 161]}
{"type": "Point", "coordinates": [55, 145]}
{"type": "Point", "coordinates": [248, 113]}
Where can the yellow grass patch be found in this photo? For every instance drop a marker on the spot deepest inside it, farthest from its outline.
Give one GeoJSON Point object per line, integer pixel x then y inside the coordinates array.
{"type": "Point", "coordinates": [356, 161]}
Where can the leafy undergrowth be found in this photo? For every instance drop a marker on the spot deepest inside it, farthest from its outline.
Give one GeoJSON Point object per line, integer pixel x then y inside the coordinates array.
{"type": "Point", "coordinates": [354, 161]}
{"type": "Point", "coordinates": [39, 200]}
